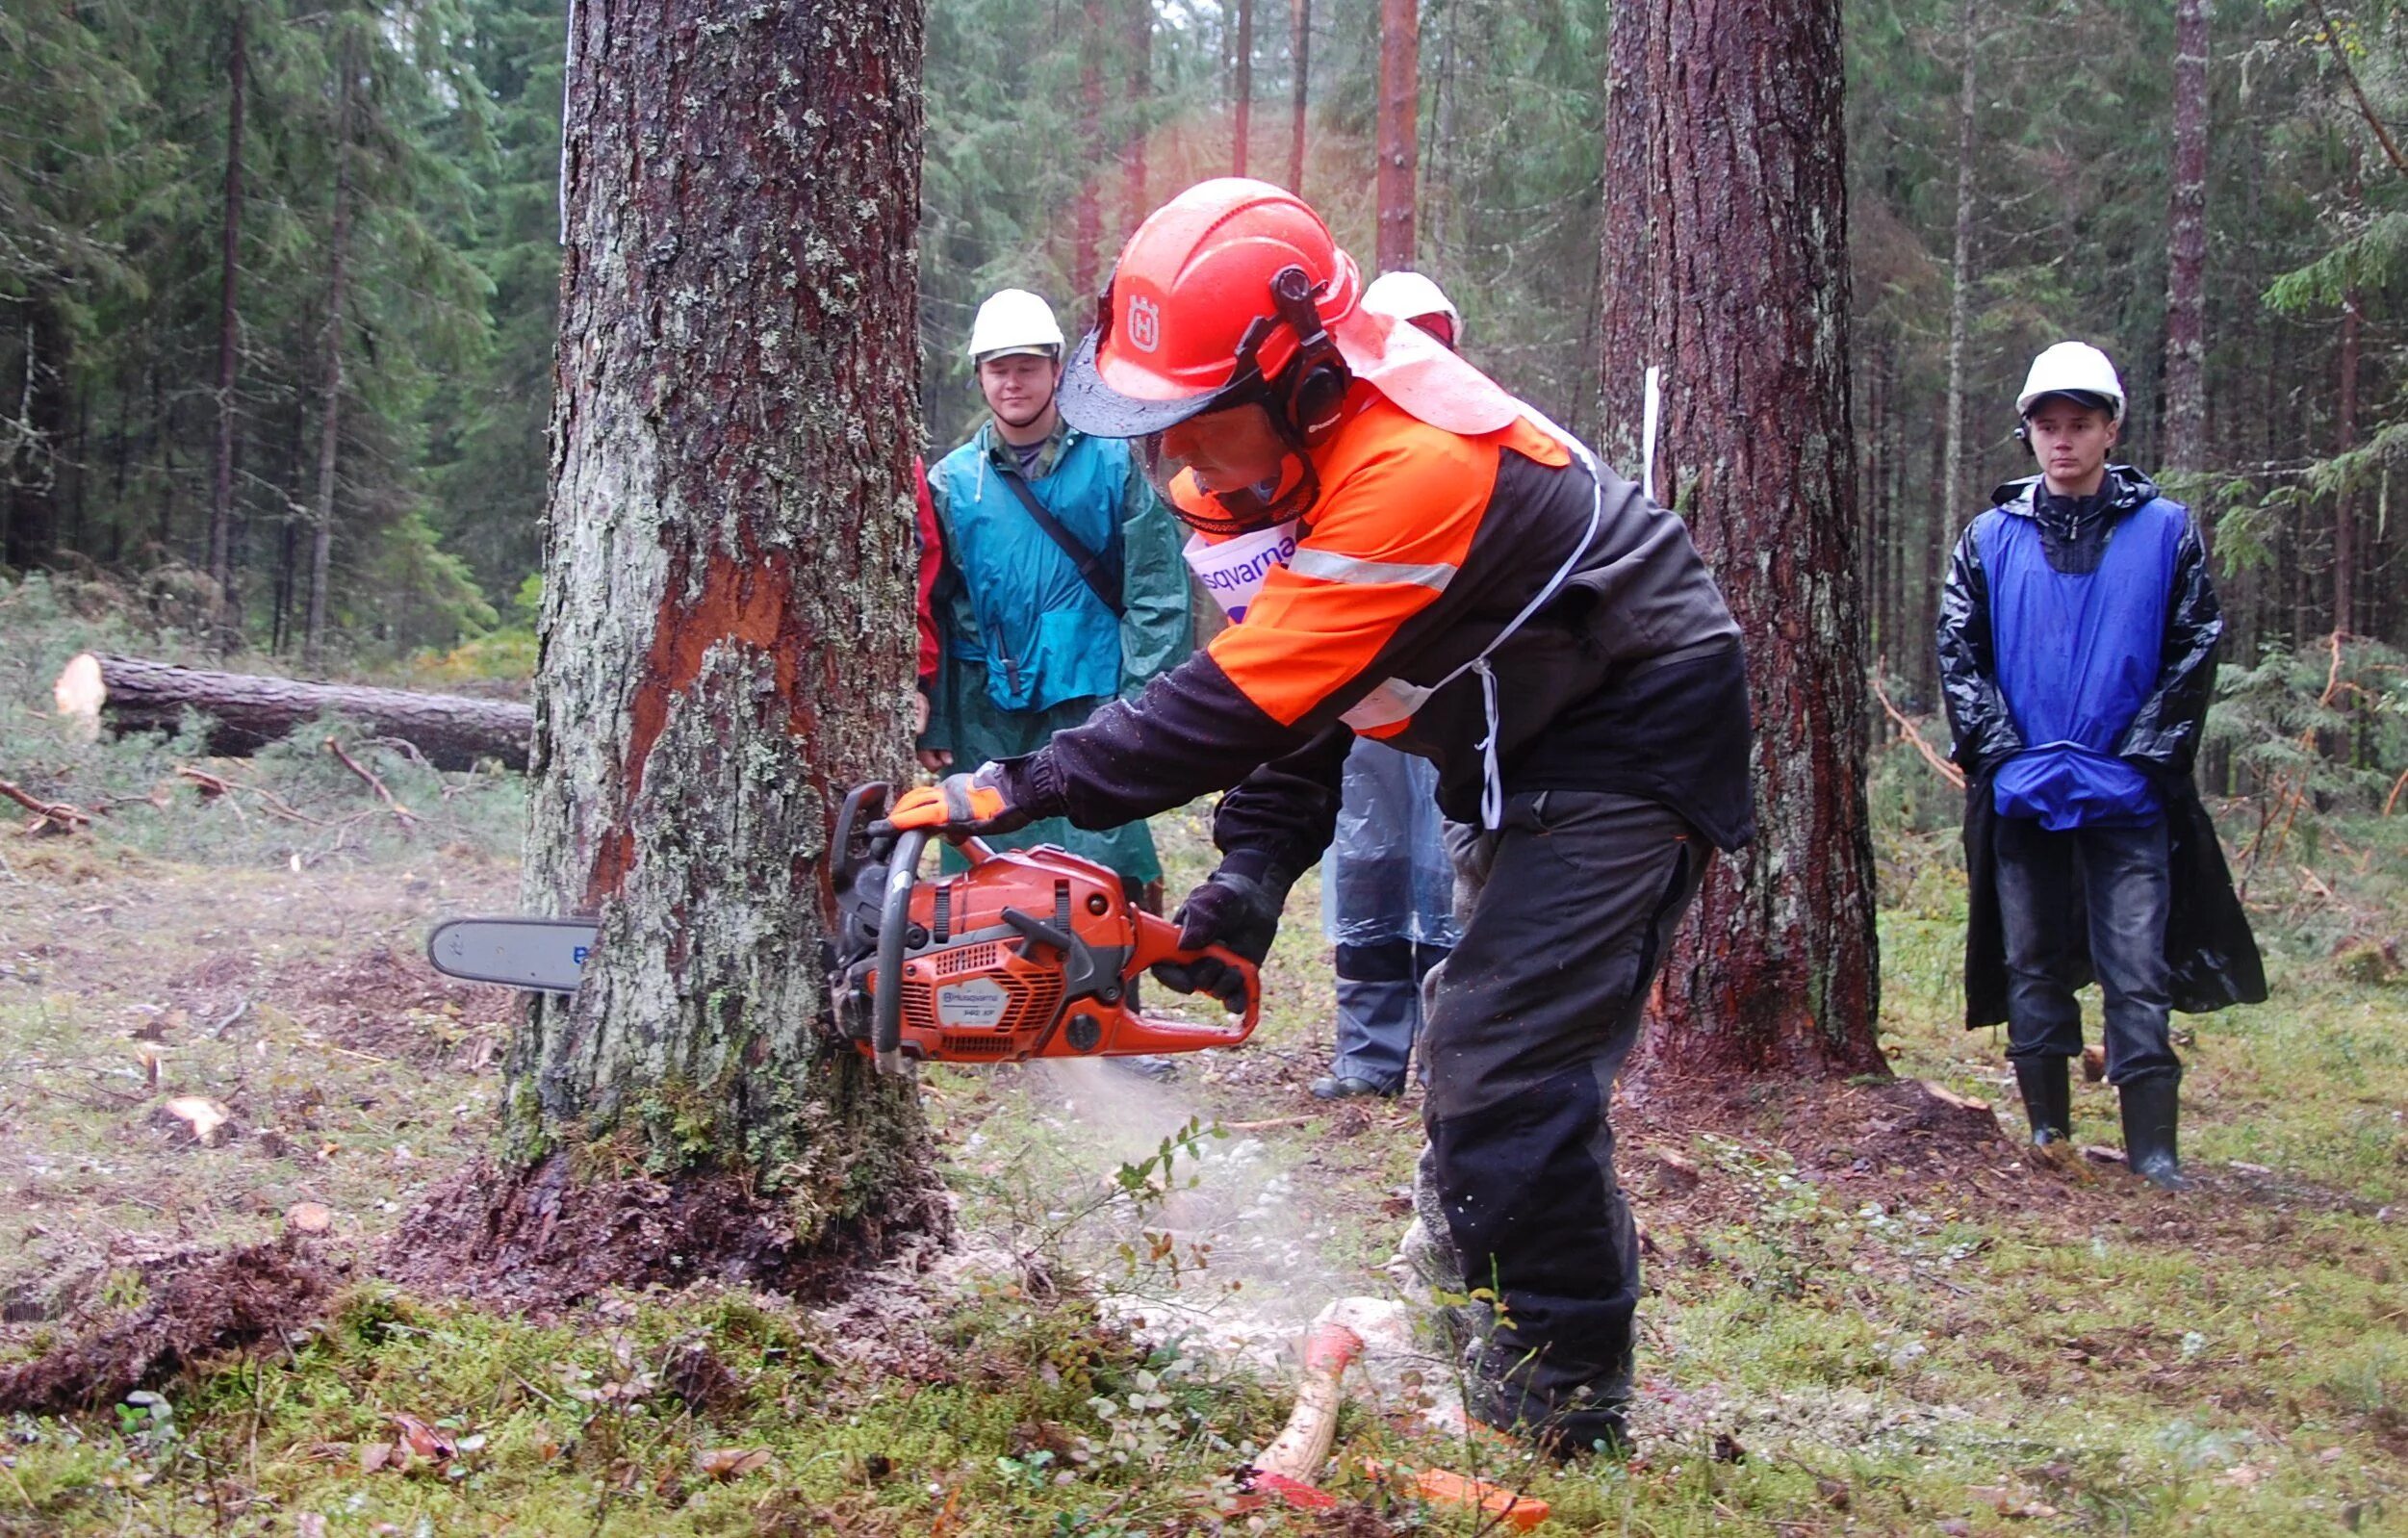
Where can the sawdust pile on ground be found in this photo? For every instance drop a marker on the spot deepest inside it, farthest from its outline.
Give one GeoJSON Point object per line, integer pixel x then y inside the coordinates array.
{"type": "Point", "coordinates": [226, 1302]}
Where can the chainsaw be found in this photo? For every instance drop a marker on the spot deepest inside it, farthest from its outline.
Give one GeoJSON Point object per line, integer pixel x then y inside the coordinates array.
{"type": "Point", "coordinates": [1031, 953]}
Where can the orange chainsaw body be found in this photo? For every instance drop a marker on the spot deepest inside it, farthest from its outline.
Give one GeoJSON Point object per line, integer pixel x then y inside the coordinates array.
{"type": "Point", "coordinates": [1031, 953]}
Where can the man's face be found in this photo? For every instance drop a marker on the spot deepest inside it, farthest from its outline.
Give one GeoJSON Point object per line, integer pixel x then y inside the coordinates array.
{"type": "Point", "coordinates": [1229, 451]}
{"type": "Point", "coordinates": [1020, 386]}
{"type": "Point", "coordinates": [2070, 440]}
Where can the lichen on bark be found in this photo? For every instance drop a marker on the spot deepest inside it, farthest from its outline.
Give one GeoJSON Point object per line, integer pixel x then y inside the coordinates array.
{"type": "Point", "coordinates": [727, 634]}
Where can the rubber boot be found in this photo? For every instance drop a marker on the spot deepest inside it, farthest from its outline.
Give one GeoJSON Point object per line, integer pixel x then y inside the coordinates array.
{"type": "Point", "coordinates": [2047, 1087]}
{"type": "Point", "coordinates": [2150, 1116]}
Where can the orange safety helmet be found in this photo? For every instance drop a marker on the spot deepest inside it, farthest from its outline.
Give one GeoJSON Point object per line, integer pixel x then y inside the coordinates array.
{"type": "Point", "coordinates": [1223, 296]}
{"type": "Point", "coordinates": [1189, 320]}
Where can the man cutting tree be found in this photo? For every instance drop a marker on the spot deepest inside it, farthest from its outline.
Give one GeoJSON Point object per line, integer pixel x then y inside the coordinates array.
{"type": "Point", "coordinates": [1442, 569]}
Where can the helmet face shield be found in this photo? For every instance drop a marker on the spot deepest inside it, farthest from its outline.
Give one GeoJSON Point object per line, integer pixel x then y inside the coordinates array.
{"type": "Point", "coordinates": [1289, 490]}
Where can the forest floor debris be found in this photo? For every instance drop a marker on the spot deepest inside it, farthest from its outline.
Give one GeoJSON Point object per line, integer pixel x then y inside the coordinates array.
{"type": "Point", "coordinates": [1870, 1303]}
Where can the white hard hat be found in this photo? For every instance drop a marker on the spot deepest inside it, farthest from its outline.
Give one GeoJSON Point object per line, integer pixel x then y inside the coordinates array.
{"type": "Point", "coordinates": [2072, 368]}
{"type": "Point", "coordinates": [1015, 321]}
{"type": "Point", "coordinates": [1409, 297]}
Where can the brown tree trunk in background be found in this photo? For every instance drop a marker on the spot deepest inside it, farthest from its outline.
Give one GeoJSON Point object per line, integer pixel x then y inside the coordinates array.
{"type": "Point", "coordinates": [1087, 213]}
{"type": "Point", "coordinates": [2346, 438]}
{"type": "Point", "coordinates": [1141, 25]}
{"type": "Point", "coordinates": [1960, 278]}
{"type": "Point", "coordinates": [330, 404]}
{"type": "Point", "coordinates": [1727, 263]}
{"type": "Point", "coordinates": [1399, 150]}
{"type": "Point", "coordinates": [229, 341]}
{"type": "Point", "coordinates": [726, 637]}
{"type": "Point", "coordinates": [1242, 89]}
{"type": "Point", "coordinates": [2185, 247]}
{"type": "Point", "coordinates": [39, 401]}
{"type": "Point", "coordinates": [1300, 57]}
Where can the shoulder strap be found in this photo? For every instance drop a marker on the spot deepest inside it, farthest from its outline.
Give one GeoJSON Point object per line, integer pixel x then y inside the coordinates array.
{"type": "Point", "coordinates": [1103, 577]}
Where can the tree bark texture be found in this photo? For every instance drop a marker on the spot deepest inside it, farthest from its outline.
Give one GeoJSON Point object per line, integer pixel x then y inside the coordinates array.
{"type": "Point", "coordinates": [229, 331]}
{"type": "Point", "coordinates": [2185, 247]}
{"type": "Point", "coordinates": [726, 640]}
{"type": "Point", "coordinates": [1726, 263]}
{"type": "Point", "coordinates": [247, 710]}
{"type": "Point", "coordinates": [1399, 148]}
{"type": "Point", "coordinates": [1300, 59]}
{"type": "Point", "coordinates": [330, 405]}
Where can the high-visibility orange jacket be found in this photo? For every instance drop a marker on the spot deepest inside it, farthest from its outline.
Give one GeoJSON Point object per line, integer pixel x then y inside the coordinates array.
{"type": "Point", "coordinates": [1423, 546]}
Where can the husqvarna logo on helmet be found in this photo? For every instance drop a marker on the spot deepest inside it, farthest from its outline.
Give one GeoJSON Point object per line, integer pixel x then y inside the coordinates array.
{"type": "Point", "coordinates": [1145, 324]}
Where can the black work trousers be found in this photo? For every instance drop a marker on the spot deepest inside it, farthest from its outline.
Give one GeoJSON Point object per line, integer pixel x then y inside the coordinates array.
{"type": "Point", "coordinates": [1529, 1020]}
{"type": "Point", "coordinates": [2104, 887]}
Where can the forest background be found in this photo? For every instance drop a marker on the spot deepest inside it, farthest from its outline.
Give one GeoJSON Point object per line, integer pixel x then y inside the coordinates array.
{"type": "Point", "coordinates": [191, 188]}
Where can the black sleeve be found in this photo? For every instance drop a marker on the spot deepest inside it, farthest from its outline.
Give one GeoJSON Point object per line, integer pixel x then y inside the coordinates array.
{"type": "Point", "coordinates": [2165, 735]}
{"type": "Point", "coordinates": [1188, 733]}
{"type": "Point", "coordinates": [1985, 731]}
{"type": "Point", "coordinates": [1280, 818]}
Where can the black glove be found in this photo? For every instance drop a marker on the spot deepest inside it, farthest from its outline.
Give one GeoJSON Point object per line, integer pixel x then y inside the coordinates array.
{"type": "Point", "coordinates": [1231, 910]}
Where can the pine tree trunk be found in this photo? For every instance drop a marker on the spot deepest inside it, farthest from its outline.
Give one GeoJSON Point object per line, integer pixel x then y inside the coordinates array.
{"type": "Point", "coordinates": [1140, 30]}
{"type": "Point", "coordinates": [1960, 278]}
{"type": "Point", "coordinates": [1242, 89]}
{"type": "Point", "coordinates": [726, 638]}
{"type": "Point", "coordinates": [2185, 247]}
{"type": "Point", "coordinates": [229, 340]}
{"type": "Point", "coordinates": [1088, 212]}
{"type": "Point", "coordinates": [2346, 438]}
{"type": "Point", "coordinates": [1399, 106]}
{"type": "Point", "coordinates": [1726, 261]}
{"type": "Point", "coordinates": [1300, 56]}
{"type": "Point", "coordinates": [330, 405]}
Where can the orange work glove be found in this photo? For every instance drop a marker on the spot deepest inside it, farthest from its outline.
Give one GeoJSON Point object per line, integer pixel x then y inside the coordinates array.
{"type": "Point", "coordinates": [958, 806]}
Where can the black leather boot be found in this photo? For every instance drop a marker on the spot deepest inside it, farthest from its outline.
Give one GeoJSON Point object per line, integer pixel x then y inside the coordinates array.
{"type": "Point", "coordinates": [2047, 1099]}
{"type": "Point", "coordinates": [2150, 1114]}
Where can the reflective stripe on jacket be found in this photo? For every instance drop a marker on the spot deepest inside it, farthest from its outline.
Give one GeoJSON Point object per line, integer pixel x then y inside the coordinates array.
{"type": "Point", "coordinates": [1423, 545]}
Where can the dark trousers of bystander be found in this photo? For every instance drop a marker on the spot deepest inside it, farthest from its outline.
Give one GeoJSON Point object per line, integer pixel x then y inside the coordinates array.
{"type": "Point", "coordinates": [2054, 885]}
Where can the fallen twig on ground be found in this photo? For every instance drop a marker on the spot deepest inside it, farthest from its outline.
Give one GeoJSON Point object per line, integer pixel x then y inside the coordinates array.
{"type": "Point", "coordinates": [407, 818]}
{"type": "Point", "coordinates": [71, 818]}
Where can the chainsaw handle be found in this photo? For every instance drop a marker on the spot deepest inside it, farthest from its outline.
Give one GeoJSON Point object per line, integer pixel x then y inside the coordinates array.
{"type": "Point", "coordinates": [1158, 941]}
{"type": "Point", "coordinates": [894, 921]}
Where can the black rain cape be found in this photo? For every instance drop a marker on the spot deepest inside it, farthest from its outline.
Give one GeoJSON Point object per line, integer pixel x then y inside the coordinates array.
{"type": "Point", "coordinates": [2210, 955]}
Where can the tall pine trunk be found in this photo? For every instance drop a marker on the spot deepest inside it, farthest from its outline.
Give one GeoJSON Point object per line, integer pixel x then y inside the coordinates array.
{"type": "Point", "coordinates": [1726, 262]}
{"type": "Point", "coordinates": [726, 638]}
{"type": "Point", "coordinates": [229, 339]}
{"type": "Point", "coordinates": [1300, 58]}
{"type": "Point", "coordinates": [330, 403]}
{"type": "Point", "coordinates": [2185, 247]}
{"type": "Point", "coordinates": [1399, 149]}
{"type": "Point", "coordinates": [2346, 437]}
{"type": "Point", "coordinates": [1960, 278]}
{"type": "Point", "coordinates": [1141, 29]}
{"type": "Point", "coordinates": [1242, 89]}
{"type": "Point", "coordinates": [1088, 211]}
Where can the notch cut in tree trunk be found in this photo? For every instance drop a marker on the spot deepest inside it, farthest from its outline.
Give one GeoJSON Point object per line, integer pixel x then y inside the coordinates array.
{"type": "Point", "coordinates": [248, 710]}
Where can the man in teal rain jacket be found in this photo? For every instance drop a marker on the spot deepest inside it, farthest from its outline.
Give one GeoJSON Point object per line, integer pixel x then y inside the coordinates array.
{"type": "Point", "coordinates": [1061, 586]}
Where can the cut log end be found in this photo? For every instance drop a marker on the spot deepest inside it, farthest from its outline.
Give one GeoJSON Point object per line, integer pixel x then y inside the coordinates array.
{"type": "Point", "coordinates": [80, 693]}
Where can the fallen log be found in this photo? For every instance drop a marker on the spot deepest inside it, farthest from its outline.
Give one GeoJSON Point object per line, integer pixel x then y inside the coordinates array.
{"type": "Point", "coordinates": [248, 710]}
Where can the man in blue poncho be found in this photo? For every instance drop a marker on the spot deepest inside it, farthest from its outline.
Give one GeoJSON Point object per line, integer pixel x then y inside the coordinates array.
{"type": "Point", "coordinates": [2077, 642]}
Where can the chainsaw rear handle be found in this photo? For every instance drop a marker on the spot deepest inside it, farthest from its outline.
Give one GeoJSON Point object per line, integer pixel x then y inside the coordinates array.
{"type": "Point", "coordinates": [1158, 941]}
